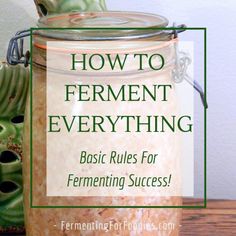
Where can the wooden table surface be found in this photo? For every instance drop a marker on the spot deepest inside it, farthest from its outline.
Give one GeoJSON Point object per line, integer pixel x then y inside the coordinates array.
{"type": "Point", "coordinates": [218, 219]}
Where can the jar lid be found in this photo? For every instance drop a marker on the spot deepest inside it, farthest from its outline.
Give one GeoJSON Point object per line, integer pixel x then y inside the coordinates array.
{"type": "Point", "coordinates": [128, 25]}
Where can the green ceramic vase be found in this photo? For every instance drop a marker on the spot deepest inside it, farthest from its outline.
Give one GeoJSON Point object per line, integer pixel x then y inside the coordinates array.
{"type": "Point", "coordinates": [13, 93]}
{"type": "Point", "coordinates": [47, 7]}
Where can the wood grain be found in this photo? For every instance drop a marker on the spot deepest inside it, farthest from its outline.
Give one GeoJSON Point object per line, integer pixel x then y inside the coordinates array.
{"type": "Point", "coordinates": [218, 219]}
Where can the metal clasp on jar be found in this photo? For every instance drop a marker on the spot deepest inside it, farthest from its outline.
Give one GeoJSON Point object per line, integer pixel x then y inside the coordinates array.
{"type": "Point", "coordinates": [182, 62]}
{"type": "Point", "coordinates": [15, 52]}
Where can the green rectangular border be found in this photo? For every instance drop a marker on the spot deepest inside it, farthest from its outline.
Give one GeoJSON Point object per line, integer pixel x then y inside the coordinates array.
{"type": "Point", "coordinates": [204, 29]}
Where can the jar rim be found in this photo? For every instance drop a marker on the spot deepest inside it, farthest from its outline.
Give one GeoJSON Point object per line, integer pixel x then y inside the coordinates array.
{"type": "Point", "coordinates": [110, 25]}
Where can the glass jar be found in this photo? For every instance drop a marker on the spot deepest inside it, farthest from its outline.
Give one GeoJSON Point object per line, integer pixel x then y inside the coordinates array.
{"type": "Point", "coordinates": [48, 221]}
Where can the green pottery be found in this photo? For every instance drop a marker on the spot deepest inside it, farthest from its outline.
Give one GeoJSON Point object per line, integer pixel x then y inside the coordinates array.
{"type": "Point", "coordinates": [47, 7]}
{"type": "Point", "coordinates": [13, 93]}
